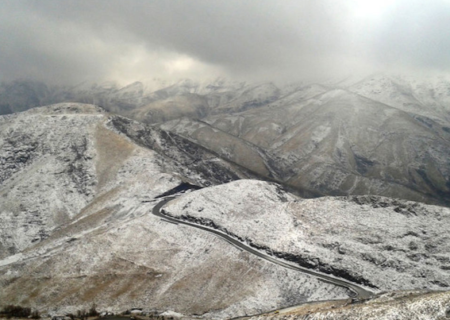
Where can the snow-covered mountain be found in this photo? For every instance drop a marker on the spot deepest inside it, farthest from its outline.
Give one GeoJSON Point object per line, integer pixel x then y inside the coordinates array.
{"type": "Point", "coordinates": [140, 99]}
{"type": "Point", "coordinates": [335, 143]}
{"type": "Point", "coordinates": [384, 135]}
{"type": "Point", "coordinates": [382, 243]}
{"type": "Point", "coordinates": [77, 190]}
{"type": "Point", "coordinates": [71, 152]}
{"type": "Point", "coordinates": [429, 97]}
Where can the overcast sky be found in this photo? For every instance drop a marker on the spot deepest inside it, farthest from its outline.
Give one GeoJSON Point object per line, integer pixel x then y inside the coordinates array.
{"type": "Point", "coordinates": [69, 41]}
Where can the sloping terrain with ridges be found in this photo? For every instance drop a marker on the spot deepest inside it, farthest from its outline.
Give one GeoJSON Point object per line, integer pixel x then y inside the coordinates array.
{"type": "Point", "coordinates": [76, 196]}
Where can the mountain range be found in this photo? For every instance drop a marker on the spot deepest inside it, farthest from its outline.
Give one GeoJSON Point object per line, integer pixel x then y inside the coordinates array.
{"type": "Point", "coordinates": [77, 191]}
{"type": "Point", "coordinates": [380, 135]}
{"type": "Point", "coordinates": [223, 199]}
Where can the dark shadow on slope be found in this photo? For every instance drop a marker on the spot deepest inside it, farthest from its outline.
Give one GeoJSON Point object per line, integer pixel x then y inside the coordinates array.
{"type": "Point", "coordinates": [183, 187]}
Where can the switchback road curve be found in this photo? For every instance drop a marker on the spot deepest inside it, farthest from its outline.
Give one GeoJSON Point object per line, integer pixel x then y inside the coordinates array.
{"type": "Point", "coordinates": [361, 292]}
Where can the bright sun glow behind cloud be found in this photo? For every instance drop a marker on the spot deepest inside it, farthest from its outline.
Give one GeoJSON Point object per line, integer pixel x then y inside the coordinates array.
{"type": "Point", "coordinates": [371, 9]}
{"type": "Point", "coordinates": [245, 40]}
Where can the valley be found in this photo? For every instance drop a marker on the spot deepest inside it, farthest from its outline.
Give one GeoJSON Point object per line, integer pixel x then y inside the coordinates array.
{"type": "Point", "coordinates": [227, 159]}
{"type": "Point", "coordinates": [223, 200]}
{"type": "Point", "coordinates": [382, 134]}
{"type": "Point", "coordinates": [113, 250]}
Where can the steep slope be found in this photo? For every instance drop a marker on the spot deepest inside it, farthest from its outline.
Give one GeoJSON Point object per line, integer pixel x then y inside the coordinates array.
{"type": "Point", "coordinates": [342, 143]}
{"type": "Point", "coordinates": [76, 196]}
{"type": "Point", "coordinates": [427, 97]}
{"type": "Point", "coordinates": [250, 97]}
{"type": "Point", "coordinates": [380, 135]}
{"type": "Point", "coordinates": [69, 152]}
{"type": "Point", "coordinates": [380, 243]}
{"type": "Point", "coordinates": [186, 105]}
{"type": "Point", "coordinates": [183, 101]}
{"type": "Point", "coordinates": [225, 145]}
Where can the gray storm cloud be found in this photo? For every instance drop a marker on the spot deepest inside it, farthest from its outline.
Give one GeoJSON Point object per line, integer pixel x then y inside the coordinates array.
{"type": "Point", "coordinates": [69, 41]}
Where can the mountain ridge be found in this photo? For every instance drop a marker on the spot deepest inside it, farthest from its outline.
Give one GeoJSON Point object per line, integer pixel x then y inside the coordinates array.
{"type": "Point", "coordinates": [76, 206]}
{"type": "Point", "coordinates": [107, 247]}
{"type": "Point", "coordinates": [354, 137]}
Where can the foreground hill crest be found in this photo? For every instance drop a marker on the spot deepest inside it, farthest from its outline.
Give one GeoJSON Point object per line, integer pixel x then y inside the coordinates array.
{"type": "Point", "coordinates": [77, 225]}
{"type": "Point", "coordinates": [77, 193]}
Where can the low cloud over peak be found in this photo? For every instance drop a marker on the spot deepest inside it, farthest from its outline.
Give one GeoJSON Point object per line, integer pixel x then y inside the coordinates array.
{"type": "Point", "coordinates": [66, 42]}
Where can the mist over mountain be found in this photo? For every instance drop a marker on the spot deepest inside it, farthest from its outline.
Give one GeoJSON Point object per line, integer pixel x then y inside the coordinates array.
{"type": "Point", "coordinates": [382, 135]}
{"type": "Point", "coordinates": [80, 187]}
{"type": "Point", "coordinates": [225, 159]}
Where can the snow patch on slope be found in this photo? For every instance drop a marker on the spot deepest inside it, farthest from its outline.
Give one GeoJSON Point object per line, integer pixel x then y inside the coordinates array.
{"type": "Point", "coordinates": [390, 243]}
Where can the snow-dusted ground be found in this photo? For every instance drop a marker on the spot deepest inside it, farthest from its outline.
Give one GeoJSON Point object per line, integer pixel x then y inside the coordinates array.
{"type": "Point", "coordinates": [76, 195]}
{"type": "Point", "coordinates": [382, 134]}
{"type": "Point", "coordinates": [225, 145]}
{"type": "Point", "coordinates": [387, 244]}
{"type": "Point", "coordinates": [427, 97]}
{"type": "Point", "coordinates": [73, 180]}
{"type": "Point", "coordinates": [411, 305]}
{"type": "Point", "coordinates": [337, 142]}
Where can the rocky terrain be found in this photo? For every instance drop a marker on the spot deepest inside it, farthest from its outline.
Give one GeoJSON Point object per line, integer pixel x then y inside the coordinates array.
{"type": "Point", "coordinates": [77, 190]}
